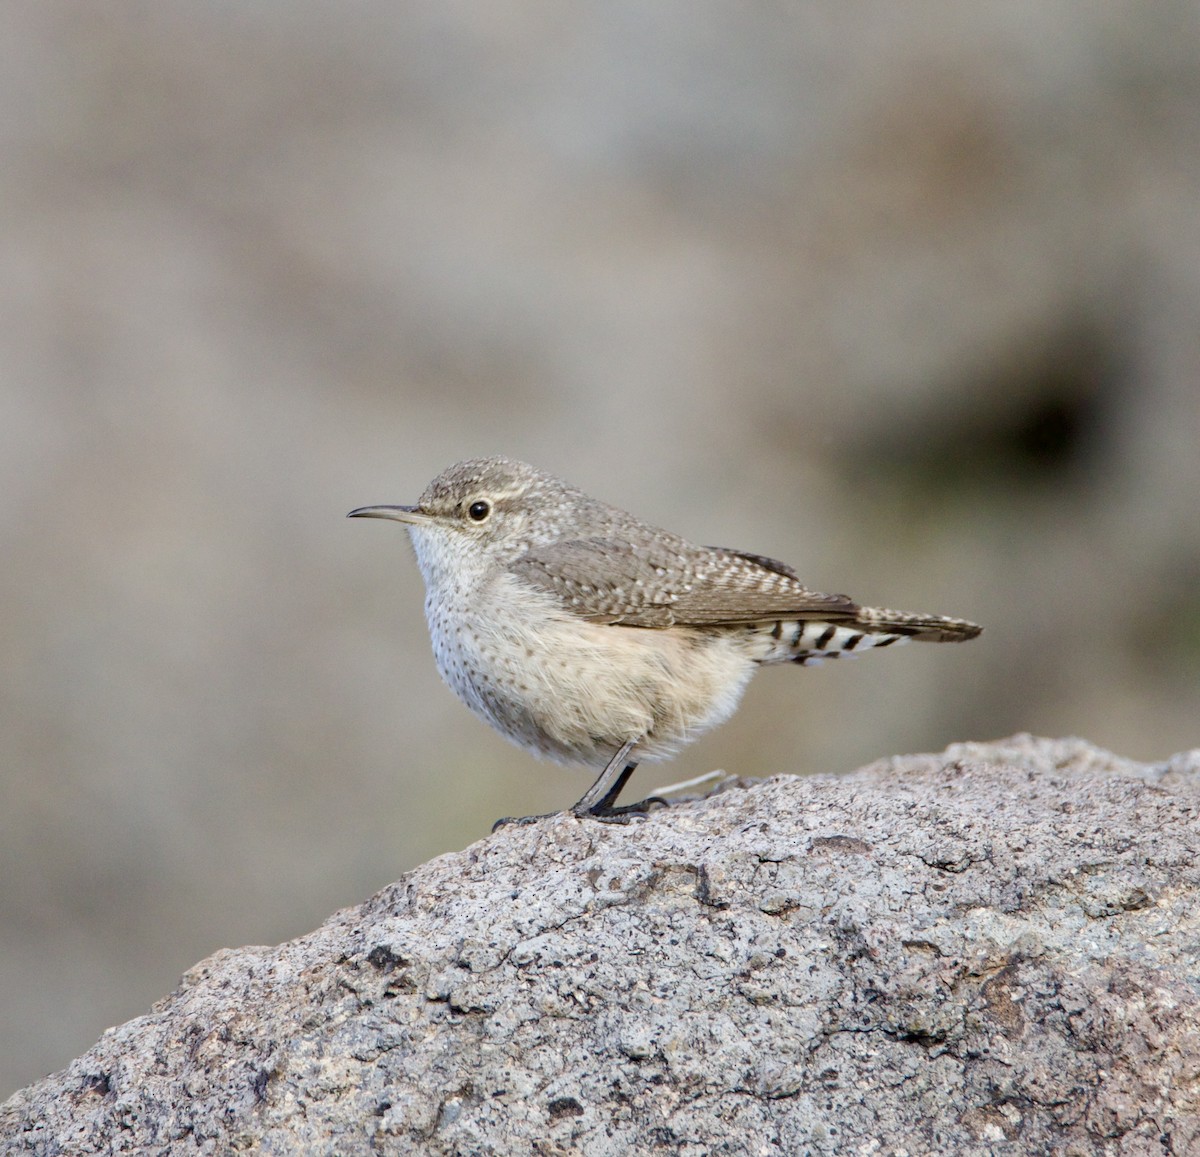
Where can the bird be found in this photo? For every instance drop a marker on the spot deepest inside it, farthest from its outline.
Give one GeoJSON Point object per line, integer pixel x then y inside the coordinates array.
{"type": "Point", "coordinates": [592, 638]}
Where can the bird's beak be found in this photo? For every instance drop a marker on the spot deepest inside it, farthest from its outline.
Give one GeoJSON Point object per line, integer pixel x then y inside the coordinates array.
{"type": "Point", "coordinates": [410, 514]}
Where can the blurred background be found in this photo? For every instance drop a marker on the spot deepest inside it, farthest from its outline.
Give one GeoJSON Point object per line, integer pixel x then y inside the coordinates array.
{"type": "Point", "coordinates": [906, 296]}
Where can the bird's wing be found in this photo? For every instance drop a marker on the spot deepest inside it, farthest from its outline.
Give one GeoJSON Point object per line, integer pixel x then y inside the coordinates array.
{"type": "Point", "coordinates": [670, 582]}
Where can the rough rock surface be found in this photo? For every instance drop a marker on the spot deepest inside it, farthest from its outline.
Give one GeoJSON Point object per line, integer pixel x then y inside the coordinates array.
{"type": "Point", "coordinates": [993, 950]}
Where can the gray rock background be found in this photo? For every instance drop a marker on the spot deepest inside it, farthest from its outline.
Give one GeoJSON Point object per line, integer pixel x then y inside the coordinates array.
{"type": "Point", "coordinates": [988, 952]}
{"type": "Point", "coordinates": [910, 298]}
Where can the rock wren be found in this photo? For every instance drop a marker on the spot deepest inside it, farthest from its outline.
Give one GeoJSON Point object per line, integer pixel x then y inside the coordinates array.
{"type": "Point", "coordinates": [589, 637]}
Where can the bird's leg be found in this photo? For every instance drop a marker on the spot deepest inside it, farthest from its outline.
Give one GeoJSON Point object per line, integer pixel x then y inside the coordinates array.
{"type": "Point", "coordinates": [610, 796]}
{"type": "Point", "coordinates": [599, 799]}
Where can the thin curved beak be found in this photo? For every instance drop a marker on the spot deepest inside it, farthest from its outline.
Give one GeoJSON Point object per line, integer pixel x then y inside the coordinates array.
{"type": "Point", "coordinates": [409, 514]}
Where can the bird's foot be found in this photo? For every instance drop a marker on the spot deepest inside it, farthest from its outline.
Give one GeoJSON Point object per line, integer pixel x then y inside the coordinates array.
{"type": "Point", "coordinates": [626, 814]}
{"type": "Point", "coordinates": [504, 821]}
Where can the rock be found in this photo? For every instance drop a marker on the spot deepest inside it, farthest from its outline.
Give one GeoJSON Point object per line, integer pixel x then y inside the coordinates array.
{"type": "Point", "coordinates": [988, 951]}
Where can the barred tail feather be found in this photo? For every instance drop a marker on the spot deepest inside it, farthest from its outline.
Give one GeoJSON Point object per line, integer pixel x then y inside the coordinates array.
{"type": "Point", "coordinates": [923, 628]}
{"type": "Point", "coordinates": [811, 641]}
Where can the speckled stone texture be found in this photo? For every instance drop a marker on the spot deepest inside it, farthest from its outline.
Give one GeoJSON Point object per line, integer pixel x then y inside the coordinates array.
{"type": "Point", "coordinates": [989, 951]}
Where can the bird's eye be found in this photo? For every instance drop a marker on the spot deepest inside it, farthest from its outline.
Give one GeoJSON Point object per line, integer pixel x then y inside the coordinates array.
{"type": "Point", "coordinates": [479, 510]}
